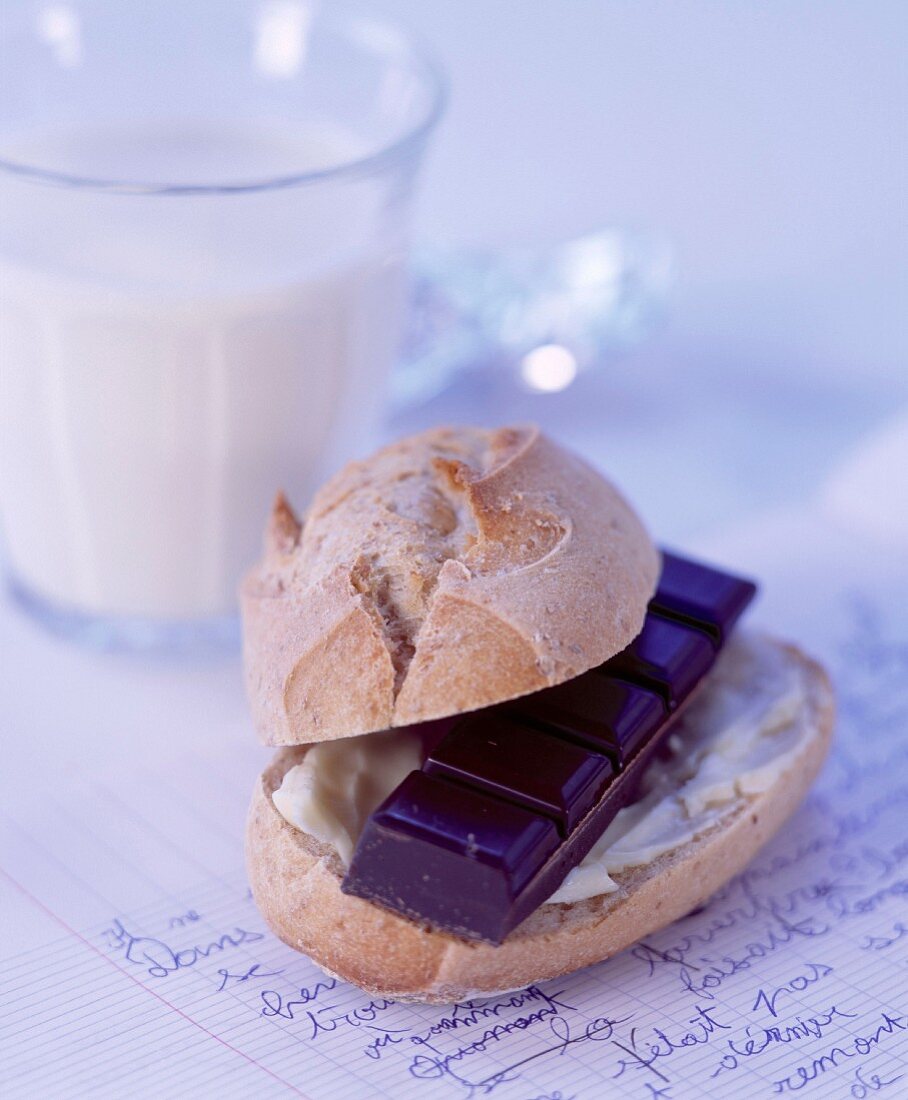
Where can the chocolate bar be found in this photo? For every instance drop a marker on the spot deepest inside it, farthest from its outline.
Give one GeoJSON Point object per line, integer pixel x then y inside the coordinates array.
{"type": "Point", "coordinates": [601, 712]}
{"type": "Point", "coordinates": [706, 598]}
{"type": "Point", "coordinates": [667, 656]}
{"type": "Point", "coordinates": [514, 796]}
{"type": "Point", "coordinates": [511, 760]}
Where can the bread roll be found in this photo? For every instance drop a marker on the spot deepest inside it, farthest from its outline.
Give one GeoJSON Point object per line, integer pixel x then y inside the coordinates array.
{"type": "Point", "coordinates": [449, 571]}
{"type": "Point", "coordinates": [296, 884]}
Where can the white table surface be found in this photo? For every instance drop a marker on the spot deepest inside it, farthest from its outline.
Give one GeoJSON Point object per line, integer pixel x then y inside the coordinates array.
{"type": "Point", "coordinates": [762, 138]}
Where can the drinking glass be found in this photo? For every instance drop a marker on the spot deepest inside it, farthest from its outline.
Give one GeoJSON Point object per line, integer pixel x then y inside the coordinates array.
{"type": "Point", "coordinates": [204, 213]}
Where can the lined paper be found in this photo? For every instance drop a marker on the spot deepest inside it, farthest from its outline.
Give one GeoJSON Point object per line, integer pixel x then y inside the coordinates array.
{"type": "Point", "coordinates": [136, 964]}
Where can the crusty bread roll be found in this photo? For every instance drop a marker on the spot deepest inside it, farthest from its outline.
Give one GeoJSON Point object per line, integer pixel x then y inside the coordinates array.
{"type": "Point", "coordinates": [296, 884]}
{"type": "Point", "coordinates": [449, 571]}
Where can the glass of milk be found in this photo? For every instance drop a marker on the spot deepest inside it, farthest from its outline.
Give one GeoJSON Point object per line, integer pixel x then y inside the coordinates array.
{"type": "Point", "coordinates": [204, 208]}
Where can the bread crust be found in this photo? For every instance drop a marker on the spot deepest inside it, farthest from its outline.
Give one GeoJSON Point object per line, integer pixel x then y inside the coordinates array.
{"type": "Point", "coordinates": [450, 571]}
{"type": "Point", "coordinates": [296, 879]}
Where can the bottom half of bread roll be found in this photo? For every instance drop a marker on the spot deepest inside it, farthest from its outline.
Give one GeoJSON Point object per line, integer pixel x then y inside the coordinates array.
{"type": "Point", "coordinates": [722, 797]}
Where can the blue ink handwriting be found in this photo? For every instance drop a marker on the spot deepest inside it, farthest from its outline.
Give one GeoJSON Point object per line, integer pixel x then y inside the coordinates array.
{"type": "Point", "coordinates": [721, 969]}
{"type": "Point", "coordinates": [189, 917]}
{"type": "Point", "coordinates": [758, 1039]}
{"type": "Point", "coordinates": [880, 943]}
{"type": "Point", "coordinates": [815, 971]}
{"type": "Point", "coordinates": [858, 1046]}
{"type": "Point", "coordinates": [252, 972]}
{"type": "Point", "coordinates": [645, 1049]}
{"type": "Point", "coordinates": [864, 1086]}
{"type": "Point", "coordinates": [160, 959]}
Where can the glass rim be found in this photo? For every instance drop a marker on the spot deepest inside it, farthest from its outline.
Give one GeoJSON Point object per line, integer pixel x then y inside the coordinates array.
{"type": "Point", "coordinates": [392, 40]}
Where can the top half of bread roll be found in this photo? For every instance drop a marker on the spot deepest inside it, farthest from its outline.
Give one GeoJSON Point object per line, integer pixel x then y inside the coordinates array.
{"type": "Point", "coordinates": [451, 570]}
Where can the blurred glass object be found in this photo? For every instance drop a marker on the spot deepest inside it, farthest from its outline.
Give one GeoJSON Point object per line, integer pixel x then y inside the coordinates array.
{"type": "Point", "coordinates": [543, 316]}
{"type": "Point", "coordinates": [203, 255]}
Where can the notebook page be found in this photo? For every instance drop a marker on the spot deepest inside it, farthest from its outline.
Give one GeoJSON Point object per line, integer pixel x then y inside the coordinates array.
{"type": "Point", "coordinates": [135, 962]}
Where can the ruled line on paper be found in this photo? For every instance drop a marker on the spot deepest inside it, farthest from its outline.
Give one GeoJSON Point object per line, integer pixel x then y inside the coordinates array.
{"type": "Point", "coordinates": [799, 956]}
{"type": "Point", "coordinates": [655, 1006]}
{"type": "Point", "coordinates": [154, 993]}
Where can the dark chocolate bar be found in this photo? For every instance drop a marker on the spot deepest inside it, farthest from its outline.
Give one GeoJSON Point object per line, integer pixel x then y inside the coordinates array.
{"type": "Point", "coordinates": [605, 714]}
{"type": "Point", "coordinates": [436, 850]}
{"type": "Point", "coordinates": [667, 656]}
{"type": "Point", "coordinates": [710, 600]}
{"type": "Point", "coordinates": [534, 768]}
{"type": "Point", "coordinates": [514, 796]}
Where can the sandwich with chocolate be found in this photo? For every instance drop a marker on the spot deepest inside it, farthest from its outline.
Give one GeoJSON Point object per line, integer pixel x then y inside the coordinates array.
{"type": "Point", "coordinates": [515, 738]}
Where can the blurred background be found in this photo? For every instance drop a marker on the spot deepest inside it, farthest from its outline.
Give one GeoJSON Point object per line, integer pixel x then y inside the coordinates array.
{"type": "Point", "coordinates": [766, 143]}
{"type": "Point", "coordinates": [673, 234]}
{"type": "Point", "coordinates": [758, 150]}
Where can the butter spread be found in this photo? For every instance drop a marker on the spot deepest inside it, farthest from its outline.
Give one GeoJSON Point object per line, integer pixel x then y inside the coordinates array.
{"type": "Point", "coordinates": [332, 793]}
{"type": "Point", "coordinates": [740, 733]}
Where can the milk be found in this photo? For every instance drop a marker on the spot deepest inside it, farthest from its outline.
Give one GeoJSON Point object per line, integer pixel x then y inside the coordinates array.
{"type": "Point", "coordinates": [167, 363]}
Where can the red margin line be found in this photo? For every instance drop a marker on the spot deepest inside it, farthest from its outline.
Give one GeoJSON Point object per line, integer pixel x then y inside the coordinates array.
{"type": "Point", "coordinates": [59, 920]}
